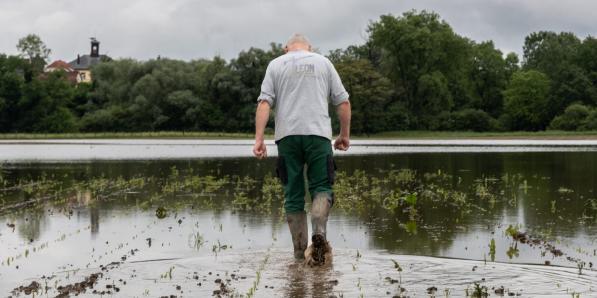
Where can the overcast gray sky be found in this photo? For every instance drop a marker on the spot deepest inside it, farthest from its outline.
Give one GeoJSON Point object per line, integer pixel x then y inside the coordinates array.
{"type": "Point", "coordinates": [190, 29]}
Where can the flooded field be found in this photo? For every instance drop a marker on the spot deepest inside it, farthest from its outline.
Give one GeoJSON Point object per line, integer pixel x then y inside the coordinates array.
{"type": "Point", "coordinates": [148, 149]}
{"type": "Point", "coordinates": [422, 219]}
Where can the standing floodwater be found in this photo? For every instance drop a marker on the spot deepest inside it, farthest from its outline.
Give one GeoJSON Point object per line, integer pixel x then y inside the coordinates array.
{"type": "Point", "coordinates": [410, 224]}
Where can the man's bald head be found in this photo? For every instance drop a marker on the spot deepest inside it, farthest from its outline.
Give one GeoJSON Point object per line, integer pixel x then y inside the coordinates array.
{"type": "Point", "coordinates": [298, 42]}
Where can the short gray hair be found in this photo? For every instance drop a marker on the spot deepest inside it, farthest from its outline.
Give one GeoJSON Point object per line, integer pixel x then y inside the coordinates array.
{"type": "Point", "coordinates": [298, 38]}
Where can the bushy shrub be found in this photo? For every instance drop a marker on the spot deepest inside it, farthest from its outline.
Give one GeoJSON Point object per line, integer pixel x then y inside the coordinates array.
{"type": "Point", "coordinates": [472, 119]}
{"type": "Point", "coordinates": [573, 118]}
{"type": "Point", "coordinates": [60, 121]}
{"type": "Point", "coordinates": [445, 121]}
{"type": "Point", "coordinates": [590, 122]}
{"type": "Point", "coordinates": [398, 118]}
{"type": "Point", "coordinates": [109, 119]}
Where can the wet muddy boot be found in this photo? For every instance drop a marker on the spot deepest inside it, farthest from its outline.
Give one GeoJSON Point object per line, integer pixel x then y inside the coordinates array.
{"type": "Point", "coordinates": [297, 223]}
{"type": "Point", "coordinates": [320, 211]}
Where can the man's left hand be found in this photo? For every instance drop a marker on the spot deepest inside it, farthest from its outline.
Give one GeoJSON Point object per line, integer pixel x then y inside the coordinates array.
{"type": "Point", "coordinates": [342, 143]}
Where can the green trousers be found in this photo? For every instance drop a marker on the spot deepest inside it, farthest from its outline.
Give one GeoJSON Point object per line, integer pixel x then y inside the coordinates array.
{"type": "Point", "coordinates": [294, 152]}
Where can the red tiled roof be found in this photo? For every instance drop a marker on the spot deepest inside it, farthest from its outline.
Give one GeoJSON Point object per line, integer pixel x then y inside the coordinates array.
{"type": "Point", "coordinates": [59, 64]}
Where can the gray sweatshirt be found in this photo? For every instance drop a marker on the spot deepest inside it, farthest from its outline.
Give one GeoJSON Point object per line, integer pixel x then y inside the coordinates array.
{"type": "Point", "coordinates": [298, 86]}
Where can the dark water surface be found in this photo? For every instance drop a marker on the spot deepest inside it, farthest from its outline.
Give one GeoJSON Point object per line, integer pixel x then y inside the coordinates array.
{"type": "Point", "coordinates": [75, 219]}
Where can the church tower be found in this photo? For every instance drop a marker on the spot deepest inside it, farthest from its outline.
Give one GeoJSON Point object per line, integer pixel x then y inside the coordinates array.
{"type": "Point", "coordinates": [94, 47]}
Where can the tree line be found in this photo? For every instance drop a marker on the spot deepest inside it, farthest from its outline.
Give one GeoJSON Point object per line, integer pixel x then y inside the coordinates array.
{"type": "Point", "coordinates": [413, 72]}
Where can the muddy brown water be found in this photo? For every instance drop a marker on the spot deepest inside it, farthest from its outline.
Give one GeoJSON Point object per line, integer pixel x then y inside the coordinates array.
{"type": "Point", "coordinates": [200, 250]}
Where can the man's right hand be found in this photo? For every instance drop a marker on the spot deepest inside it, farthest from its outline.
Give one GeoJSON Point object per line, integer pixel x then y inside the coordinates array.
{"type": "Point", "coordinates": [343, 141]}
{"type": "Point", "coordinates": [261, 117]}
{"type": "Point", "coordinates": [259, 149]}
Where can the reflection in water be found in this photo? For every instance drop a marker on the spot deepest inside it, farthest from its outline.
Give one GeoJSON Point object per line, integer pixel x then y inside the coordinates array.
{"type": "Point", "coordinates": [305, 281]}
{"type": "Point", "coordinates": [94, 220]}
{"type": "Point", "coordinates": [296, 285]}
{"type": "Point", "coordinates": [321, 285]}
{"type": "Point", "coordinates": [30, 223]}
{"type": "Point", "coordinates": [212, 204]}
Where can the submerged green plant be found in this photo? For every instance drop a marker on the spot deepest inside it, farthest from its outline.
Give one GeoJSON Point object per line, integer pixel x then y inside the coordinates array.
{"type": "Point", "coordinates": [161, 212]}
{"type": "Point", "coordinates": [241, 201]}
{"type": "Point", "coordinates": [479, 291]}
{"type": "Point", "coordinates": [168, 273]}
{"type": "Point", "coordinates": [513, 231]}
{"type": "Point", "coordinates": [482, 190]}
{"type": "Point", "coordinates": [253, 289]}
{"type": "Point", "coordinates": [411, 199]}
{"type": "Point", "coordinates": [410, 227]}
{"type": "Point", "coordinates": [580, 265]}
{"type": "Point", "coordinates": [196, 240]}
{"type": "Point", "coordinates": [513, 251]}
{"type": "Point", "coordinates": [492, 249]}
{"type": "Point", "coordinates": [217, 247]}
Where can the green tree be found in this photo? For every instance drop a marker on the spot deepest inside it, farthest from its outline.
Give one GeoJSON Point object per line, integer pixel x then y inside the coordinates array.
{"type": "Point", "coordinates": [44, 105]}
{"type": "Point", "coordinates": [526, 101]}
{"type": "Point", "coordinates": [546, 51]}
{"type": "Point", "coordinates": [587, 60]}
{"type": "Point", "coordinates": [178, 106]}
{"type": "Point", "coordinates": [489, 75]}
{"type": "Point", "coordinates": [366, 51]}
{"type": "Point", "coordinates": [370, 93]}
{"type": "Point", "coordinates": [249, 69]}
{"type": "Point", "coordinates": [32, 48]}
{"type": "Point", "coordinates": [512, 64]}
{"type": "Point", "coordinates": [223, 88]}
{"type": "Point", "coordinates": [433, 97]}
{"type": "Point", "coordinates": [426, 61]}
{"type": "Point", "coordinates": [11, 90]}
{"type": "Point", "coordinates": [569, 85]}
{"type": "Point", "coordinates": [556, 55]}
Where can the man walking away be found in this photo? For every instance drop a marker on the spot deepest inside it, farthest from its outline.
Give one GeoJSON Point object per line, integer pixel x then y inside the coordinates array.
{"type": "Point", "coordinates": [298, 86]}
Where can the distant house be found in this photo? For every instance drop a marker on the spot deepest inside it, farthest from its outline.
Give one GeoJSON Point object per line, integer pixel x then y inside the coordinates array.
{"type": "Point", "coordinates": [71, 74]}
{"type": "Point", "coordinates": [79, 70]}
{"type": "Point", "coordinates": [84, 63]}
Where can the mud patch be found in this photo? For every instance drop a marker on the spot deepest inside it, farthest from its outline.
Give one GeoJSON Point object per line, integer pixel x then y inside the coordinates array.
{"type": "Point", "coordinates": [34, 287]}
{"type": "Point", "coordinates": [79, 287]}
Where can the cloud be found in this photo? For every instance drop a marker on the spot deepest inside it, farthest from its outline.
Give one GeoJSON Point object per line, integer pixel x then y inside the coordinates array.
{"type": "Point", "coordinates": [189, 29]}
